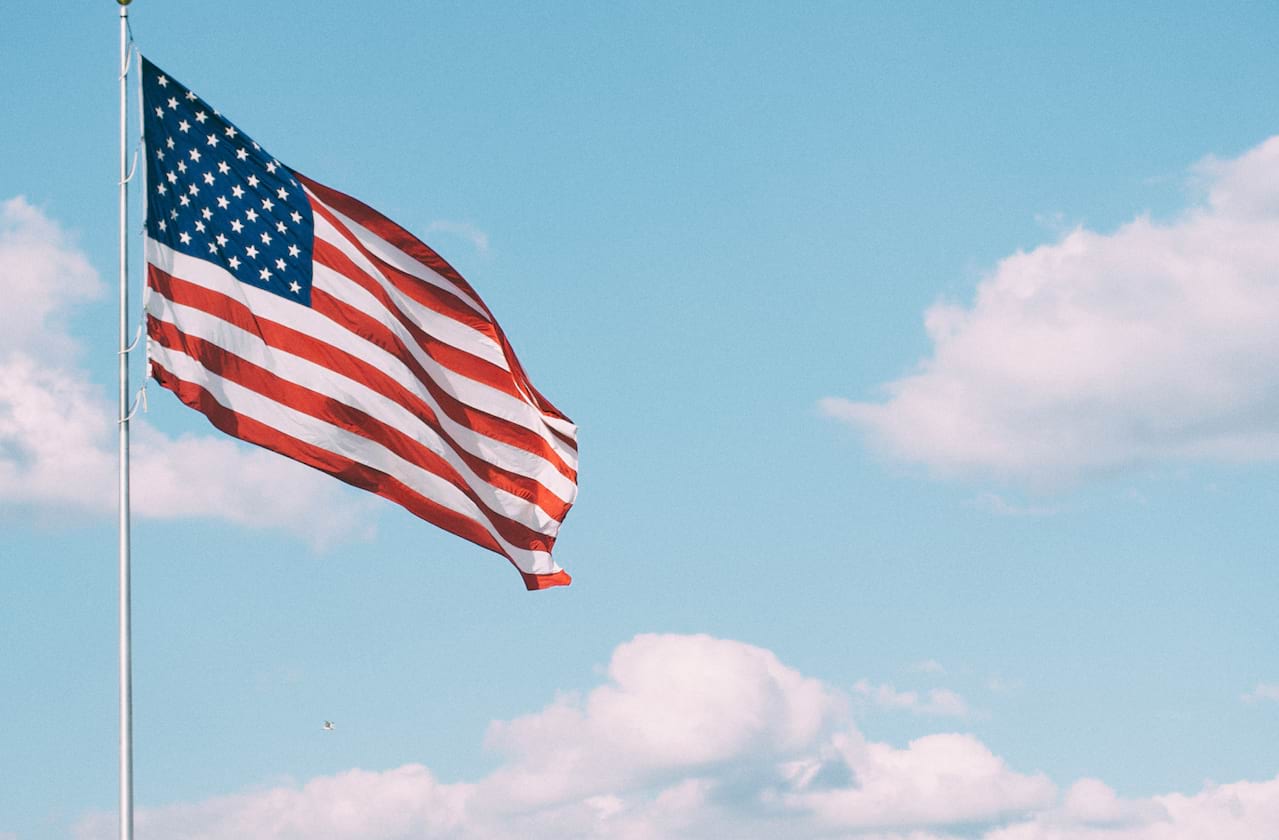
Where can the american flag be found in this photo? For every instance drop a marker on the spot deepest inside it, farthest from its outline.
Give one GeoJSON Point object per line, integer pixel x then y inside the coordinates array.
{"type": "Point", "coordinates": [298, 318]}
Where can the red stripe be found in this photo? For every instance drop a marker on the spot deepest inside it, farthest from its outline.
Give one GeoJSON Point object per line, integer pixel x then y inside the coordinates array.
{"type": "Point", "coordinates": [458, 361]}
{"type": "Point", "coordinates": [429, 295]}
{"type": "Point", "coordinates": [312, 349]}
{"type": "Point", "coordinates": [229, 366]}
{"type": "Point", "coordinates": [391, 233]}
{"type": "Point", "coordinates": [345, 364]}
{"type": "Point", "coordinates": [353, 473]}
{"type": "Point", "coordinates": [415, 248]}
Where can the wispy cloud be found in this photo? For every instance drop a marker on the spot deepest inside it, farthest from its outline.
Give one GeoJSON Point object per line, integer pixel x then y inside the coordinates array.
{"type": "Point", "coordinates": [1104, 351]}
{"type": "Point", "coordinates": [928, 666]}
{"type": "Point", "coordinates": [998, 505]}
{"type": "Point", "coordinates": [936, 702]}
{"type": "Point", "coordinates": [462, 230]}
{"type": "Point", "coordinates": [1262, 693]}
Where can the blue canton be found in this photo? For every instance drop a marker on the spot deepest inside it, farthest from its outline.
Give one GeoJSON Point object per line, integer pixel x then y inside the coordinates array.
{"type": "Point", "coordinates": [215, 194]}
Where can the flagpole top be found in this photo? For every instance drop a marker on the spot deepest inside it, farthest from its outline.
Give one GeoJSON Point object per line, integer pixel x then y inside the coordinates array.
{"type": "Point", "coordinates": [124, 2]}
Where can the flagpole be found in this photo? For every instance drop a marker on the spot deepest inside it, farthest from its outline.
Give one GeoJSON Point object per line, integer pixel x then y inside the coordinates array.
{"type": "Point", "coordinates": [126, 661]}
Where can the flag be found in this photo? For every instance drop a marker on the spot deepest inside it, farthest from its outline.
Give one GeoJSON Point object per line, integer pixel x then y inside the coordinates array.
{"type": "Point", "coordinates": [299, 319]}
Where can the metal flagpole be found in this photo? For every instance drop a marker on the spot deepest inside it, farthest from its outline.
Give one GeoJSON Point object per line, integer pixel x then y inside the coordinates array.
{"type": "Point", "coordinates": [126, 663]}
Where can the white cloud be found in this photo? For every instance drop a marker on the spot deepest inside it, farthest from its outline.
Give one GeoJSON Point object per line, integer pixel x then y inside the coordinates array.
{"type": "Point", "coordinates": [462, 230]}
{"type": "Point", "coordinates": [58, 433]}
{"type": "Point", "coordinates": [937, 702]}
{"type": "Point", "coordinates": [673, 704]}
{"type": "Point", "coordinates": [1263, 692]}
{"type": "Point", "coordinates": [42, 275]}
{"type": "Point", "coordinates": [690, 737]}
{"type": "Point", "coordinates": [1238, 811]}
{"type": "Point", "coordinates": [937, 780]}
{"type": "Point", "coordinates": [1105, 351]}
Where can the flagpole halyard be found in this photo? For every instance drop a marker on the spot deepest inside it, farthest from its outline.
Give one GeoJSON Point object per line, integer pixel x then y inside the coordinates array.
{"type": "Point", "coordinates": [126, 663]}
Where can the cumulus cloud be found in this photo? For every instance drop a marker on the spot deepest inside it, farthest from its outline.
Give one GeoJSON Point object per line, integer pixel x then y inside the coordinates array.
{"type": "Point", "coordinates": [58, 432]}
{"type": "Point", "coordinates": [673, 704]}
{"type": "Point", "coordinates": [939, 702]}
{"type": "Point", "coordinates": [693, 737]}
{"type": "Point", "coordinates": [1099, 352]}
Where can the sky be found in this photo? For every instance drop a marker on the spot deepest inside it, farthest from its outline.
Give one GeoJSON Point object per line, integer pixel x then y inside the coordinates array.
{"type": "Point", "coordinates": [925, 359]}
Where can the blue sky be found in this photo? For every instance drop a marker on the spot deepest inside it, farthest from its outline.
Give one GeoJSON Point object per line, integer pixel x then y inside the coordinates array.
{"type": "Point", "coordinates": [923, 362]}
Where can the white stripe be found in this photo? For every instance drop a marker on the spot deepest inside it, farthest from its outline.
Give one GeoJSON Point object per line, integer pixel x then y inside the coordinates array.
{"type": "Point", "coordinates": [352, 393]}
{"type": "Point", "coordinates": [446, 329]}
{"type": "Point", "coordinates": [326, 436]}
{"type": "Point", "coordinates": [273, 307]}
{"type": "Point", "coordinates": [388, 253]}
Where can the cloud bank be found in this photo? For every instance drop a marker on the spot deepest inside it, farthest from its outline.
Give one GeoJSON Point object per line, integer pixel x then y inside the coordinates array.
{"type": "Point", "coordinates": [695, 737]}
{"type": "Point", "coordinates": [1102, 352]}
{"type": "Point", "coordinates": [58, 432]}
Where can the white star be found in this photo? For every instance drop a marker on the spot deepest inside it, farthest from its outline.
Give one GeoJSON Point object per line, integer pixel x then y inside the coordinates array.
{"type": "Point", "coordinates": [251, 214]}
{"type": "Point", "coordinates": [162, 81]}
{"type": "Point", "coordinates": [293, 251]}
{"type": "Point", "coordinates": [282, 193]}
{"type": "Point", "coordinates": [270, 167]}
{"type": "Point", "coordinates": [208, 177]}
{"type": "Point", "coordinates": [223, 203]}
{"type": "Point", "coordinates": [159, 112]}
{"type": "Point", "coordinates": [173, 214]}
{"type": "Point", "coordinates": [194, 189]}
{"type": "Point", "coordinates": [295, 288]}
{"type": "Point", "coordinates": [172, 178]}
{"type": "Point", "coordinates": [169, 142]}
{"type": "Point", "coordinates": [195, 155]}
{"type": "Point", "coordinates": [237, 191]}
{"type": "Point", "coordinates": [182, 166]}
{"type": "Point", "coordinates": [223, 168]}
{"type": "Point", "coordinates": [241, 154]}
{"type": "Point", "coordinates": [280, 264]}
{"type": "Point", "coordinates": [184, 201]}
{"type": "Point", "coordinates": [253, 180]}
{"type": "Point", "coordinates": [213, 139]}
{"type": "Point", "coordinates": [200, 117]}
{"type": "Point", "coordinates": [206, 213]}
{"type": "Point", "coordinates": [184, 126]}
{"type": "Point", "coordinates": [236, 225]}
{"type": "Point", "coordinates": [265, 274]}
{"type": "Point", "coordinates": [173, 104]}
{"type": "Point", "coordinates": [199, 226]}
{"type": "Point", "coordinates": [266, 238]}
{"type": "Point", "coordinates": [190, 96]}
{"type": "Point", "coordinates": [281, 228]}
{"type": "Point", "coordinates": [160, 189]}
{"type": "Point", "coordinates": [159, 154]}
{"type": "Point", "coordinates": [256, 147]}
{"type": "Point", "coordinates": [230, 131]}
{"type": "Point", "coordinates": [185, 237]}
{"type": "Point", "coordinates": [234, 262]}
{"type": "Point", "coordinates": [267, 204]}
{"type": "Point", "coordinates": [162, 225]}
{"type": "Point", "coordinates": [213, 249]}
{"type": "Point", "coordinates": [251, 251]}
{"type": "Point", "coordinates": [222, 240]}
{"type": "Point", "coordinates": [297, 217]}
